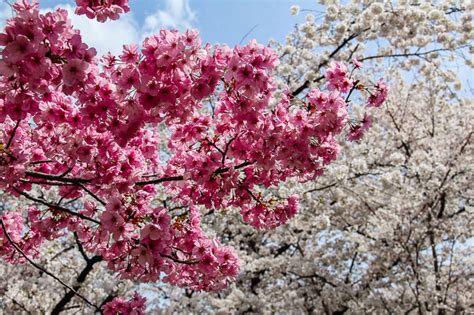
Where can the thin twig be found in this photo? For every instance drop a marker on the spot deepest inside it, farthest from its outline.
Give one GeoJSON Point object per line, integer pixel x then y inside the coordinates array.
{"type": "Point", "coordinates": [226, 169]}
{"type": "Point", "coordinates": [61, 252]}
{"type": "Point", "coordinates": [81, 248]}
{"type": "Point", "coordinates": [92, 194]}
{"type": "Point", "coordinates": [19, 304]}
{"type": "Point", "coordinates": [354, 86]}
{"type": "Point", "coordinates": [12, 135]}
{"type": "Point", "coordinates": [248, 33]}
{"type": "Point", "coordinates": [253, 196]}
{"type": "Point", "coordinates": [40, 162]}
{"type": "Point", "coordinates": [416, 54]}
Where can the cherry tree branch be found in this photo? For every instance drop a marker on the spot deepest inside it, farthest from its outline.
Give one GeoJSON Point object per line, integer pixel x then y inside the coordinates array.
{"type": "Point", "coordinates": [92, 194]}
{"type": "Point", "coordinates": [79, 280]}
{"type": "Point", "coordinates": [226, 169]}
{"type": "Point", "coordinates": [80, 247]}
{"type": "Point", "coordinates": [179, 178]}
{"type": "Point", "coordinates": [40, 182]}
{"type": "Point", "coordinates": [315, 275]}
{"type": "Point", "coordinates": [65, 250]}
{"type": "Point", "coordinates": [108, 299]}
{"type": "Point", "coordinates": [306, 84]}
{"type": "Point", "coordinates": [12, 135]}
{"type": "Point", "coordinates": [19, 250]}
{"type": "Point", "coordinates": [18, 304]}
{"type": "Point", "coordinates": [416, 54]}
{"type": "Point", "coordinates": [56, 207]}
{"type": "Point", "coordinates": [186, 262]}
{"type": "Point", "coordinates": [349, 273]}
{"type": "Point", "coordinates": [160, 180]}
{"type": "Point", "coordinates": [58, 178]}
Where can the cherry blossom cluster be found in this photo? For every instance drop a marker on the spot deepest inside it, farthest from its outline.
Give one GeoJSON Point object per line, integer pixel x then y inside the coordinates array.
{"type": "Point", "coordinates": [203, 125]}
{"type": "Point", "coordinates": [337, 78]}
{"type": "Point", "coordinates": [135, 306]}
{"type": "Point", "coordinates": [356, 131]}
{"type": "Point", "coordinates": [378, 97]}
{"type": "Point", "coordinates": [13, 226]}
{"type": "Point", "coordinates": [15, 232]}
{"type": "Point", "coordinates": [40, 50]}
{"type": "Point", "coordinates": [266, 216]}
{"type": "Point", "coordinates": [177, 248]}
{"type": "Point", "coordinates": [102, 9]}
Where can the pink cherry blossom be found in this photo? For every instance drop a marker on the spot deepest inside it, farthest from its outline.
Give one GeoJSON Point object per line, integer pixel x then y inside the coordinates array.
{"type": "Point", "coordinates": [135, 306]}
{"type": "Point", "coordinates": [74, 71]}
{"type": "Point", "coordinates": [206, 126]}
{"type": "Point", "coordinates": [380, 94]}
{"type": "Point", "coordinates": [102, 9]}
{"type": "Point", "coordinates": [357, 131]}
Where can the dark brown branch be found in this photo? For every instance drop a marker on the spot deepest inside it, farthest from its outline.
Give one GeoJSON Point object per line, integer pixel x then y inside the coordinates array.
{"type": "Point", "coordinates": [108, 299]}
{"type": "Point", "coordinates": [415, 54]}
{"type": "Point", "coordinates": [61, 181]}
{"type": "Point", "coordinates": [253, 196]}
{"type": "Point", "coordinates": [19, 250]}
{"type": "Point", "coordinates": [41, 162]}
{"type": "Point", "coordinates": [357, 175]}
{"type": "Point", "coordinates": [227, 146]}
{"type": "Point", "coordinates": [454, 10]}
{"type": "Point", "coordinates": [81, 248]}
{"type": "Point", "coordinates": [160, 180]}
{"type": "Point", "coordinates": [187, 262]}
{"type": "Point", "coordinates": [61, 252]}
{"type": "Point", "coordinates": [12, 135]}
{"type": "Point", "coordinates": [349, 273]}
{"type": "Point", "coordinates": [64, 197]}
{"type": "Point", "coordinates": [59, 178]}
{"type": "Point", "coordinates": [43, 182]}
{"type": "Point", "coordinates": [317, 276]}
{"type": "Point", "coordinates": [179, 178]}
{"type": "Point", "coordinates": [226, 169]}
{"type": "Point", "coordinates": [354, 86]}
{"type": "Point", "coordinates": [306, 84]}
{"type": "Point", "coordinates": [92, 194]}
{"type": "Point", "coordinates": [18, 304]}
{"type": "Point", "coordinates": [79, 280]}
{"type": "Point", "coordinates": [248, 33]}
{"type": "Point", "coordinates": [66, 172]}
{"type": "Point", "coordinates": [80, 181]}
{"type": "Point", "coordinates": [56, 207]}
{"type": "Point", "coordinates": [466, 142]}
{"type": "Point", "coordinates": [321, 188]}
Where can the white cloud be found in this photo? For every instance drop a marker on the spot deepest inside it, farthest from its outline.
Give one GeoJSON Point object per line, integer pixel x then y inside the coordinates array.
{"type": "Point", "coordinates": [105, 37]}
{"type": "Point", "coordinates": [177, 14]}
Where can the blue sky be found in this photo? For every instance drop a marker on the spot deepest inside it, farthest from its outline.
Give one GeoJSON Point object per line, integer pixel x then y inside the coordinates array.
{"type": "Point", "coordinates": [219, 21]}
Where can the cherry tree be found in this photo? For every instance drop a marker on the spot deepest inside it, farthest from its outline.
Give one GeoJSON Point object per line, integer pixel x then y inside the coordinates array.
{"type": "Point", "coordinates": [107, 151]}
{"type": "Point", "coordinates": [388, 229]}
{"type": "Point", "coordinates": [414, 35]}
